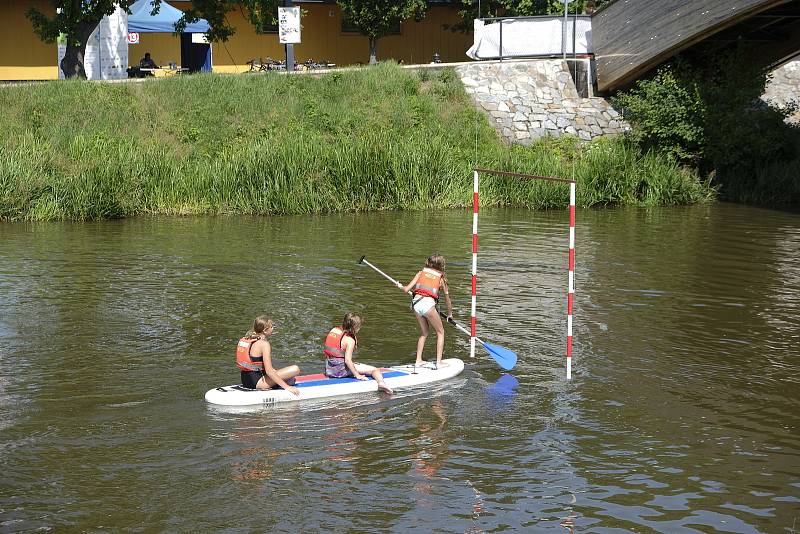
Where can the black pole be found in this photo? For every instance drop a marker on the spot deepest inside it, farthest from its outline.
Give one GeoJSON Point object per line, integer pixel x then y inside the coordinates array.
{"type": "Point", "coordinates": [501, 39]}
{"type": "Point", "coordinates": [289, 46]}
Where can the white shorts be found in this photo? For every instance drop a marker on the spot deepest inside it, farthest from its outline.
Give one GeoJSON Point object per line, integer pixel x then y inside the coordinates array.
{"type": "Point", "coordinates": [423, 305]}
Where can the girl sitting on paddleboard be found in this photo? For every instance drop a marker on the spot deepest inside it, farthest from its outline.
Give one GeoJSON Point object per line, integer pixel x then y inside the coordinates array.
{"type": "Point", "coordinates": [339, 347]}
{"type": "Point", "coordinates": [254, 359]}
{"type": "Point", "coordinates": [427, 286]}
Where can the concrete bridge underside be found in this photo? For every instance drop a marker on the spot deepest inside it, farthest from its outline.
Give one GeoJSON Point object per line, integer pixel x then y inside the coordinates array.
{"type": "Point", "coordinates": [631, 37]}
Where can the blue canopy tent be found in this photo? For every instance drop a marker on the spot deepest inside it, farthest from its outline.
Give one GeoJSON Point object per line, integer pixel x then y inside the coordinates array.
{"type": "Point", "coordinates": [195, 56]}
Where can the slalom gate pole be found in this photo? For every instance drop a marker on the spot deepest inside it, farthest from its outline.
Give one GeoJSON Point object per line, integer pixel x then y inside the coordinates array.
{"type": "Point", "coordinates": [571, 282]}
{"type": "Point", "coordinates": [571, 267]}
{"type": "Point", "coordinates": [472, 319]}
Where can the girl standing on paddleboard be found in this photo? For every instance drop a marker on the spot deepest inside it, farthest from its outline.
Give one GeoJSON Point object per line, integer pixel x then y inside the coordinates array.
{"type": "Point", "coordinates": [254, 360]}
{"type": "Point", "coordinates": [427, 286]}
{"type": "Point", "coordinates": [339, 347]}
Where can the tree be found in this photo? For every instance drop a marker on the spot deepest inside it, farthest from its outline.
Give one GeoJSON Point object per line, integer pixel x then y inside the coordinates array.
{"type": "Point", "coordinates": [263, 14]}
{"type": "Point", "coordinates": [521, 8]}
{"type": "Point", "coordinates": [378, 18]}
{"type": "Point", "coordinates": [75, 20]}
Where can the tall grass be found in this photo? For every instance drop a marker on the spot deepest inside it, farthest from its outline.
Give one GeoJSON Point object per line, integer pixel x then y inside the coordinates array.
{"type": "Point", "coordinates": [380, 138]}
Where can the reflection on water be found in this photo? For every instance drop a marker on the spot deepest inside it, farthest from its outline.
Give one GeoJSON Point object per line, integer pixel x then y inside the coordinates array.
{"type": "Point", "coordinates": [682, 415]}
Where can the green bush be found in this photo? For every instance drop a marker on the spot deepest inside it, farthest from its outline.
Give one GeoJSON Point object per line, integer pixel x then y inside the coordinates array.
{"type": "Point", "coordinates": [708, 114]}
{"type": "Point", "coordinates": [667, 113]}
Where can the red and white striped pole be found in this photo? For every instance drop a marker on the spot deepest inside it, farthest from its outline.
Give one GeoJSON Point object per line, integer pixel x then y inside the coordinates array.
{"type": "Point", "coordinates": [472, 321]}
{"type": "Point", "coordinates": [571, 290]}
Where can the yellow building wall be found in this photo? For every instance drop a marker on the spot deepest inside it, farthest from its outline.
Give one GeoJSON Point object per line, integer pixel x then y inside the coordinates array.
{"type": "Point", "coordinates": [23, 56]}
{"type": "Point", "coordinates": [163, 47]}
{"type": "Point", "coordinates": [323, 39]}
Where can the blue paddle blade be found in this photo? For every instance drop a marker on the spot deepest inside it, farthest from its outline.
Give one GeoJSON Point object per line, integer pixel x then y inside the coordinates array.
{"type": "Point", "coordinates": [504, 357]}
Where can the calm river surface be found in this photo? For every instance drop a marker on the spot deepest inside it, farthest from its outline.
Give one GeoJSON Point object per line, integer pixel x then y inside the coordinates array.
{"type": "Point", "coordinates": [683, 414]}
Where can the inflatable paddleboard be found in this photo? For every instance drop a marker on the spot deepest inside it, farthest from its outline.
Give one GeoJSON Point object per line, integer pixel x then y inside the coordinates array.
{"type": "Point", "coordinates": [319, 386]}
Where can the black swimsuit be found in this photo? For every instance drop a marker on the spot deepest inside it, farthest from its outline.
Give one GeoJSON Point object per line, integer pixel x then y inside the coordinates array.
{"type": "Point", "coordinates": [251, 378]}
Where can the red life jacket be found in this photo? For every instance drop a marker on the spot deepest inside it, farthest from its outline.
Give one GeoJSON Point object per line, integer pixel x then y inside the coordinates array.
{"type": "Point", "coordinates": [333, 343]}
{"type": "Point", "coordinates": [244, 361]}
{"type": "Point", "coordinates": [428, 283]}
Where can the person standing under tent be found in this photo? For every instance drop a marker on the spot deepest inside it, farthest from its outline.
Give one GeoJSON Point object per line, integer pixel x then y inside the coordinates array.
{"type": "Point", "coordinates": [340, 344]}
{"type": "Point", "coordinates": [254, 360]}
{"type": "Point", "coordinates": [427, 286]}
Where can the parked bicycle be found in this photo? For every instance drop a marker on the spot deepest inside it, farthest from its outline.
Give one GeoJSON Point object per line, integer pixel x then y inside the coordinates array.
{"type": "Point", "coordinates": [258, 66]}
{"type": "Point", "coordinates": [310, 64]}
{"type": "Point", "coordinates": [270, 64]}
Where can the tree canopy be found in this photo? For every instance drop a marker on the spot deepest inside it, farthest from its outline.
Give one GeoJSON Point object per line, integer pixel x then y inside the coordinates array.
{"type": "Point", "coordinates": [71, 15]}
{"type": "Point", "coordinates": [74, 20]}
{"type": "Point", "coordinates": [379, 18]}
{"type": "Point", "coordinates": [262, 14]}
{"type": "Point", "coordinates": [521, 8]}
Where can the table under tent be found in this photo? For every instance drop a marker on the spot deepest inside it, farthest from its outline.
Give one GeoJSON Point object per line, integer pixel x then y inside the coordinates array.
{"type": "Point", "coordinates": [195, 55]}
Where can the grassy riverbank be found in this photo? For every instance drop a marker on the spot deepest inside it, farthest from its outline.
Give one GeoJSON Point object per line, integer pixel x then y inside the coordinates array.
{"type": "Point", "coordinates": [379, 138]}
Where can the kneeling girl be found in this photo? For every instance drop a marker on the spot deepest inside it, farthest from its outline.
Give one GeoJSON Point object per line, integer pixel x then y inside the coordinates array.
{"type": "Point", "coordinates": [254, 360]}
{"type": "Point", "coordinates": [339, 347]}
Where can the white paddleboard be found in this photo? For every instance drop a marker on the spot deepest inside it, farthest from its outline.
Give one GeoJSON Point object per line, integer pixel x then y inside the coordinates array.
{"type": "Point", "coordinates": [319, 386]}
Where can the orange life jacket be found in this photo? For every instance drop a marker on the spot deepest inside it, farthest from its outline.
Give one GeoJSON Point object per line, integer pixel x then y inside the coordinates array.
{"type": "Point", "coordinates": [428, 283]}
{"type": "Point", "coordinates": [244, 361]}
{"type": "Point", "coordinates": [333, 343]}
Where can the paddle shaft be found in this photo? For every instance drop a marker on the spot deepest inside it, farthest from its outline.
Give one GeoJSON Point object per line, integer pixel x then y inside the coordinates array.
{"type": "Point", "coordinates": [392, 280]}
{"type": "Point", "coordinates": [454, 323]}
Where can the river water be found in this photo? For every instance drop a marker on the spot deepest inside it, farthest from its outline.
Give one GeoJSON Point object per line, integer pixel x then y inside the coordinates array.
{"type": "Point", "coordinates": [682, 415]}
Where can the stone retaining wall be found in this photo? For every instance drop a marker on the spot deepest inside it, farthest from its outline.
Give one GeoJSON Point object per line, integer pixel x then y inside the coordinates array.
{"type": "Point", "coordinates": [785, 87]}
{"type": "Point", "coordinates": [527, 100]}
{"type": "Point", "coordinates": [530, 99]}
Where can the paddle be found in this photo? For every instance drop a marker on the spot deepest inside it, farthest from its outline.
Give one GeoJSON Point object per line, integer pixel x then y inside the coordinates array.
{"type": "Point", "coordinates": [504, 357]}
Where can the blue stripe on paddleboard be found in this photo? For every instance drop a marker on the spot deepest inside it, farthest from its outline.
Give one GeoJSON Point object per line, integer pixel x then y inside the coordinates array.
{"type": "Point", "coordinates": [329, 381]}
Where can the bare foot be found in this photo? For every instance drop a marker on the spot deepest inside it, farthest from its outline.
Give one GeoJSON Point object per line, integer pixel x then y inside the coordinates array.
{"type": "Point", "coordinates": [386, 389]}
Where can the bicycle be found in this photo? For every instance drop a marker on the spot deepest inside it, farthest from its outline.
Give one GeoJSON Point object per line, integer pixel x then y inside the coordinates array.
{"type": "Point", "coordinates": [257, 67]}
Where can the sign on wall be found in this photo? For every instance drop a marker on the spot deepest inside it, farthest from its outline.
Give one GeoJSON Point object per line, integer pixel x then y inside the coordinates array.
{"type": "Point", "coordinates": [289, 25]}
{"type": "Point", "coordinates": [133, 38]}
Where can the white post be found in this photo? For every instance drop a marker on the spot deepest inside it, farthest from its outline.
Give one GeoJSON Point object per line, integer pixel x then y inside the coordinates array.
{"type": "Point", "coordinates": [474, 262]}
{"type": "Point", "coordinates": [571, 283]}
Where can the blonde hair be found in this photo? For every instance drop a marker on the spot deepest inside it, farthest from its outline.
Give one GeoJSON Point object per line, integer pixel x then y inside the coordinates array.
{"type": "Point", "coordinates": [435, 261]}
{"type": "Point", "coordinates": [260, 325]}
{"type": "Point", "coordinates": [351, 323]}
